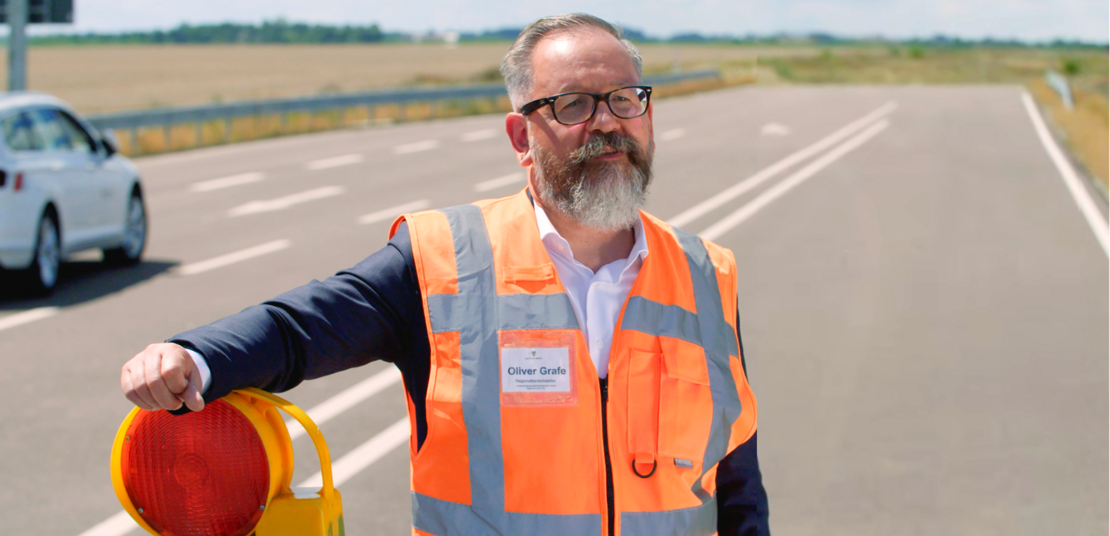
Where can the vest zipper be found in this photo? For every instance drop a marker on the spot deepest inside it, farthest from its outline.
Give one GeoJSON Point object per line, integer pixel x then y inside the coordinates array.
{"type": "Point", "coordinates": [608, 462]}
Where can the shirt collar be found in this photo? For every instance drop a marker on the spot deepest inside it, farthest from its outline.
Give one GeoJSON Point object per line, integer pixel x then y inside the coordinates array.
{"type": "Point", "coordinates": [552, 239]}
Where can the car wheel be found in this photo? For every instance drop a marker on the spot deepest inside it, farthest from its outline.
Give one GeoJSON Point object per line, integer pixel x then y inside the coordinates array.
{"type": "Point", "coordinates": [134, 235]}
{"type": "Point", "coordinates": [43, 272]}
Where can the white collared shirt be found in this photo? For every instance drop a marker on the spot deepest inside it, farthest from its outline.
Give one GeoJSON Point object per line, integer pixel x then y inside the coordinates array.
{"type": "Point", "coordinates": [597, 298]}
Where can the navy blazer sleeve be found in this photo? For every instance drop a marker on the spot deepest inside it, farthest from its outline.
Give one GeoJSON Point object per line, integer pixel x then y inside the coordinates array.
{"type": "Point", "coordinates": [370, 312]}
{"type": "Point", "coordinates": [741, 499]}
{"type": "Point", "coordinates": [373, 311]}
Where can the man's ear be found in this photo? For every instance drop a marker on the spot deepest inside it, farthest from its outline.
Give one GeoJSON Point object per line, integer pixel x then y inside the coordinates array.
{"type": "Point", "coordinates": [516, 126]}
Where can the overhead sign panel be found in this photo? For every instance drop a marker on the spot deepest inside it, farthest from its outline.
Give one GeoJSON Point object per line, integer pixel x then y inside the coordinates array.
{"type": "Point", "coordinates": [43, 11]}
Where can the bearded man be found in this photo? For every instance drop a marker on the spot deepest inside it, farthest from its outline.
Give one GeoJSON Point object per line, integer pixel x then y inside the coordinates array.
{"type": "Point", "coordinates": [573, 365]}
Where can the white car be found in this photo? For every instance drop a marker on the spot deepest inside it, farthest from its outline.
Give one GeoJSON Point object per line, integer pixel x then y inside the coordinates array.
{"type": "Point", "coordinates": [64, 188]}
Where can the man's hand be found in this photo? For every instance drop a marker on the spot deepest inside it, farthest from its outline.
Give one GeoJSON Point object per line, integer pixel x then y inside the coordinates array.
{"type": "Point", "coordinates": [163, 376]}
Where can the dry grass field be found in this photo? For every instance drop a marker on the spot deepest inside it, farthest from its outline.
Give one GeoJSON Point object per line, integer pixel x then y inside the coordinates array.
{"type": "Point", "coordinates": [119, 77]}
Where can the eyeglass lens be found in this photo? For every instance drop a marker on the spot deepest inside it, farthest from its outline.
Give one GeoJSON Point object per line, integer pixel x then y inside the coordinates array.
{"type": "Point", "coordinates": [576, 108]}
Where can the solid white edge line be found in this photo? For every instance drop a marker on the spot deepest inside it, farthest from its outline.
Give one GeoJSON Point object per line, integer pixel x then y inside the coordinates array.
{"type": "Point", "coordinates": [493, 184]}
{"type": "Point", "coordinates": [346, 399]}
{"type": "Point", "coordinates": [117, 525]}
{"type": "Point", "coordinates": [282, 203]}
{"type": "Point", "coordinates": [763, 175]}
{"type": "Point", "coordinates": [26, 317]}
{"type": "Point", "coordinates": [335, 161]}
{"type": "Point", "coordinates": [387, 213]}
{"type": "Point", "coordinates": [227, 182]}
{"type": "Point", "coordinates": [362, 456]}
{"type": "Point", "coordinates": [776, 191]}
{"type": "Point", "coordinates": [232, 258]}
{"type": "Point", "coordinates": [1071, 180]}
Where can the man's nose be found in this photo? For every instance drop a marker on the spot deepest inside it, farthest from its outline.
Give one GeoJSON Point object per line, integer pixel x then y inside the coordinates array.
{"type": "Point", "coordinates": [603, 119]}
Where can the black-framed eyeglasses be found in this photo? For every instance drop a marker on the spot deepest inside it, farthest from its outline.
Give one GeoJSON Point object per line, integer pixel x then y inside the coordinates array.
{"type": "Point", "coordinates": [574, 108]}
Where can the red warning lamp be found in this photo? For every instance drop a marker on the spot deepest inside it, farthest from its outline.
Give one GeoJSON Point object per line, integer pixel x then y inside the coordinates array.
{"type": "Point", "coordinates": [223, 471]}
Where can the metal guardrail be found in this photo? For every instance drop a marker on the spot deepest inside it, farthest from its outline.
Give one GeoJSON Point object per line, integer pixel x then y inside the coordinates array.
{"type": "Point", "coordinates": [1060, 84]}
{"type": "Point", "coordinates": [169, 117]}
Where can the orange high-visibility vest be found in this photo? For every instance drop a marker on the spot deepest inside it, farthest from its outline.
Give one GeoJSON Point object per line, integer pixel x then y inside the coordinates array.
{"type": "Point", "coordinates": [515, 441]}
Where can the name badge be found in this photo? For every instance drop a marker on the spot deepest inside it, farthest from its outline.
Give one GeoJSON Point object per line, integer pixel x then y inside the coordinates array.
{"type": "Point", "coordinates": [538, 368]}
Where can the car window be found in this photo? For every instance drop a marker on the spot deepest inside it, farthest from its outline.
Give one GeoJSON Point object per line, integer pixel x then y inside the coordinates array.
{"type": "Point", "coordinates": [79, 138]}
{"type": "Point", "coordinates": [19, 133]}
{"type": "Point", "coordinates": [49, 125]}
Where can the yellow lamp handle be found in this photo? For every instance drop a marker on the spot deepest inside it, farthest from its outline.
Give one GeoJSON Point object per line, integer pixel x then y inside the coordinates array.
{"type": "Point", "coordinates": [313, 431]}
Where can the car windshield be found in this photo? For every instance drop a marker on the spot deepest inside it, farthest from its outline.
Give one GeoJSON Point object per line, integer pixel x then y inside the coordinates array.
{"type": "Point", "coordinates": [19, 133]}
{"type": "Point", "coordinates": [50, 127]}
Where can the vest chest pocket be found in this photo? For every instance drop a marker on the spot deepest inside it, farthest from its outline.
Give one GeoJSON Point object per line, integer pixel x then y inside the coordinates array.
{"type": "Point", "coordinates": [670, 405]}
{"type": "Point", "coordinates": [685, 401]}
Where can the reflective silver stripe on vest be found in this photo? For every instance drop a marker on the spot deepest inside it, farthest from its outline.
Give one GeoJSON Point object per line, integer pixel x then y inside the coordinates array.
{"type": "Point", "coordinates": [719, 342]}
{"type": "Point", "coordinates": [477, 313]}
{"type": "Point", "coordinates": [695, 521]}
{"type": "Point", "coordinates": [481, 389]}
{"type": "Point", "coordinates": [536, 311]}
{"type": "Point", "coordinates": [451, 312]}
{"type": "Point", "coordinates": [445, 518]}
{"type": "Point", "coordinates": [658, 320]}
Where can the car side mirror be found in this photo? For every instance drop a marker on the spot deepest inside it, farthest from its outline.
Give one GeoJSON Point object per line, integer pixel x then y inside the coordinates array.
{"type": "Point", "coordinates": [109, 142]}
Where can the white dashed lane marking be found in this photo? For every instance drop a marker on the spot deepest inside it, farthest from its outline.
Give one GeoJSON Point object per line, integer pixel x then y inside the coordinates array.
{"type": "Point", "coordinates": [232, 258]}
{"type": "Point", "coordinates": [493, 184]}
{"type": "Point", "coordinates": [417, 147]}
{"type": "Point", "coordinates": [254, 207]}
{"type": "Point", "coordinates": [478, 135]}
{"type": "Point", "coordinates": [26, 317]}
{"type": "Point", "coordinates": [775, 129]}
{"type": "Point", "coordinates": [672, 134]}
{"type": "Point", "coordinates": [228, 182]}
{"type": "Point", "coordinates": [393, 212]}
{"type": "Point", "coordinates": [336, 161]}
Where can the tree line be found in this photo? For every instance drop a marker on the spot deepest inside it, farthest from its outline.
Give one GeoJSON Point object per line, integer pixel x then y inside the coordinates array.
{"type": "Point", "coordinates": [269, 32]}
{"type": "Point", "coordinates": [281, 31]}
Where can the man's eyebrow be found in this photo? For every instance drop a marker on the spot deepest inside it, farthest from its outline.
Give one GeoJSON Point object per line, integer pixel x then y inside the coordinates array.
{"type": "Point", "coordinates": [570, 88]}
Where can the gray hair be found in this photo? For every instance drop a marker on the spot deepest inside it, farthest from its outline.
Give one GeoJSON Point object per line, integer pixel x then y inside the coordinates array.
{"type": "Point", "coordinates": [516, 68]}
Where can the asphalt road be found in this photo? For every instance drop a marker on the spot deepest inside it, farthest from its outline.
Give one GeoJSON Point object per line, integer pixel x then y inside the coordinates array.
{"type": "Point", "coordinates": [924, 307]}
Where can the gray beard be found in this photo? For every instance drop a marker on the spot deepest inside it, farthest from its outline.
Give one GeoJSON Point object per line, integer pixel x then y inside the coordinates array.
{"type": "Point", "coordinates": [603, 195]}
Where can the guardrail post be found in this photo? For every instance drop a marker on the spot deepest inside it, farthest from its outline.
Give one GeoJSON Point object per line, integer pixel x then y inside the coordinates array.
{"type": "Point", "coordinates": [199, 134]}
{"type": "Point", "coordinates": [167, 137]}
{"type": "Point", "coordinates": [1060, 84]}
{"type": "Point", "coordinates": [227, 130]}
{"type": "Point", "coordinates": [132, 138]}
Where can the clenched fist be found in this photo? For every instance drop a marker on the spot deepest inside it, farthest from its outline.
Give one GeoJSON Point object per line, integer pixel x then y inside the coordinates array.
{"type": "Point", "coordinates": [163, 376]}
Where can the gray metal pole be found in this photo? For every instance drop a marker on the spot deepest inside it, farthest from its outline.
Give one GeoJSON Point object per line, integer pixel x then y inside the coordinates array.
{"type": "Point", "coordinates": [17, 45]}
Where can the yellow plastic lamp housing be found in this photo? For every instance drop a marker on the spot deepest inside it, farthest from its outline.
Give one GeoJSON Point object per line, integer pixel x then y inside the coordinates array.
{"type": "Point", "coordinates": [223, 471]}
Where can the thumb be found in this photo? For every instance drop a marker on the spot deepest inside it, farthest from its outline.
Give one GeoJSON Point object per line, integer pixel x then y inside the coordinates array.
{"type": "Point", "coordinates": [192, 397]}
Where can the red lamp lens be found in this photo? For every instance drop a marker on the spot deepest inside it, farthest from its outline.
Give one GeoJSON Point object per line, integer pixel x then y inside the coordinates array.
{"type": "Point", "coordinates": [200, 474]}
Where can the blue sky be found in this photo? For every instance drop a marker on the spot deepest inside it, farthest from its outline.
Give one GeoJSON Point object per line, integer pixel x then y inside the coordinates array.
{"type": "Point", "coordinates": [1036, 20]}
